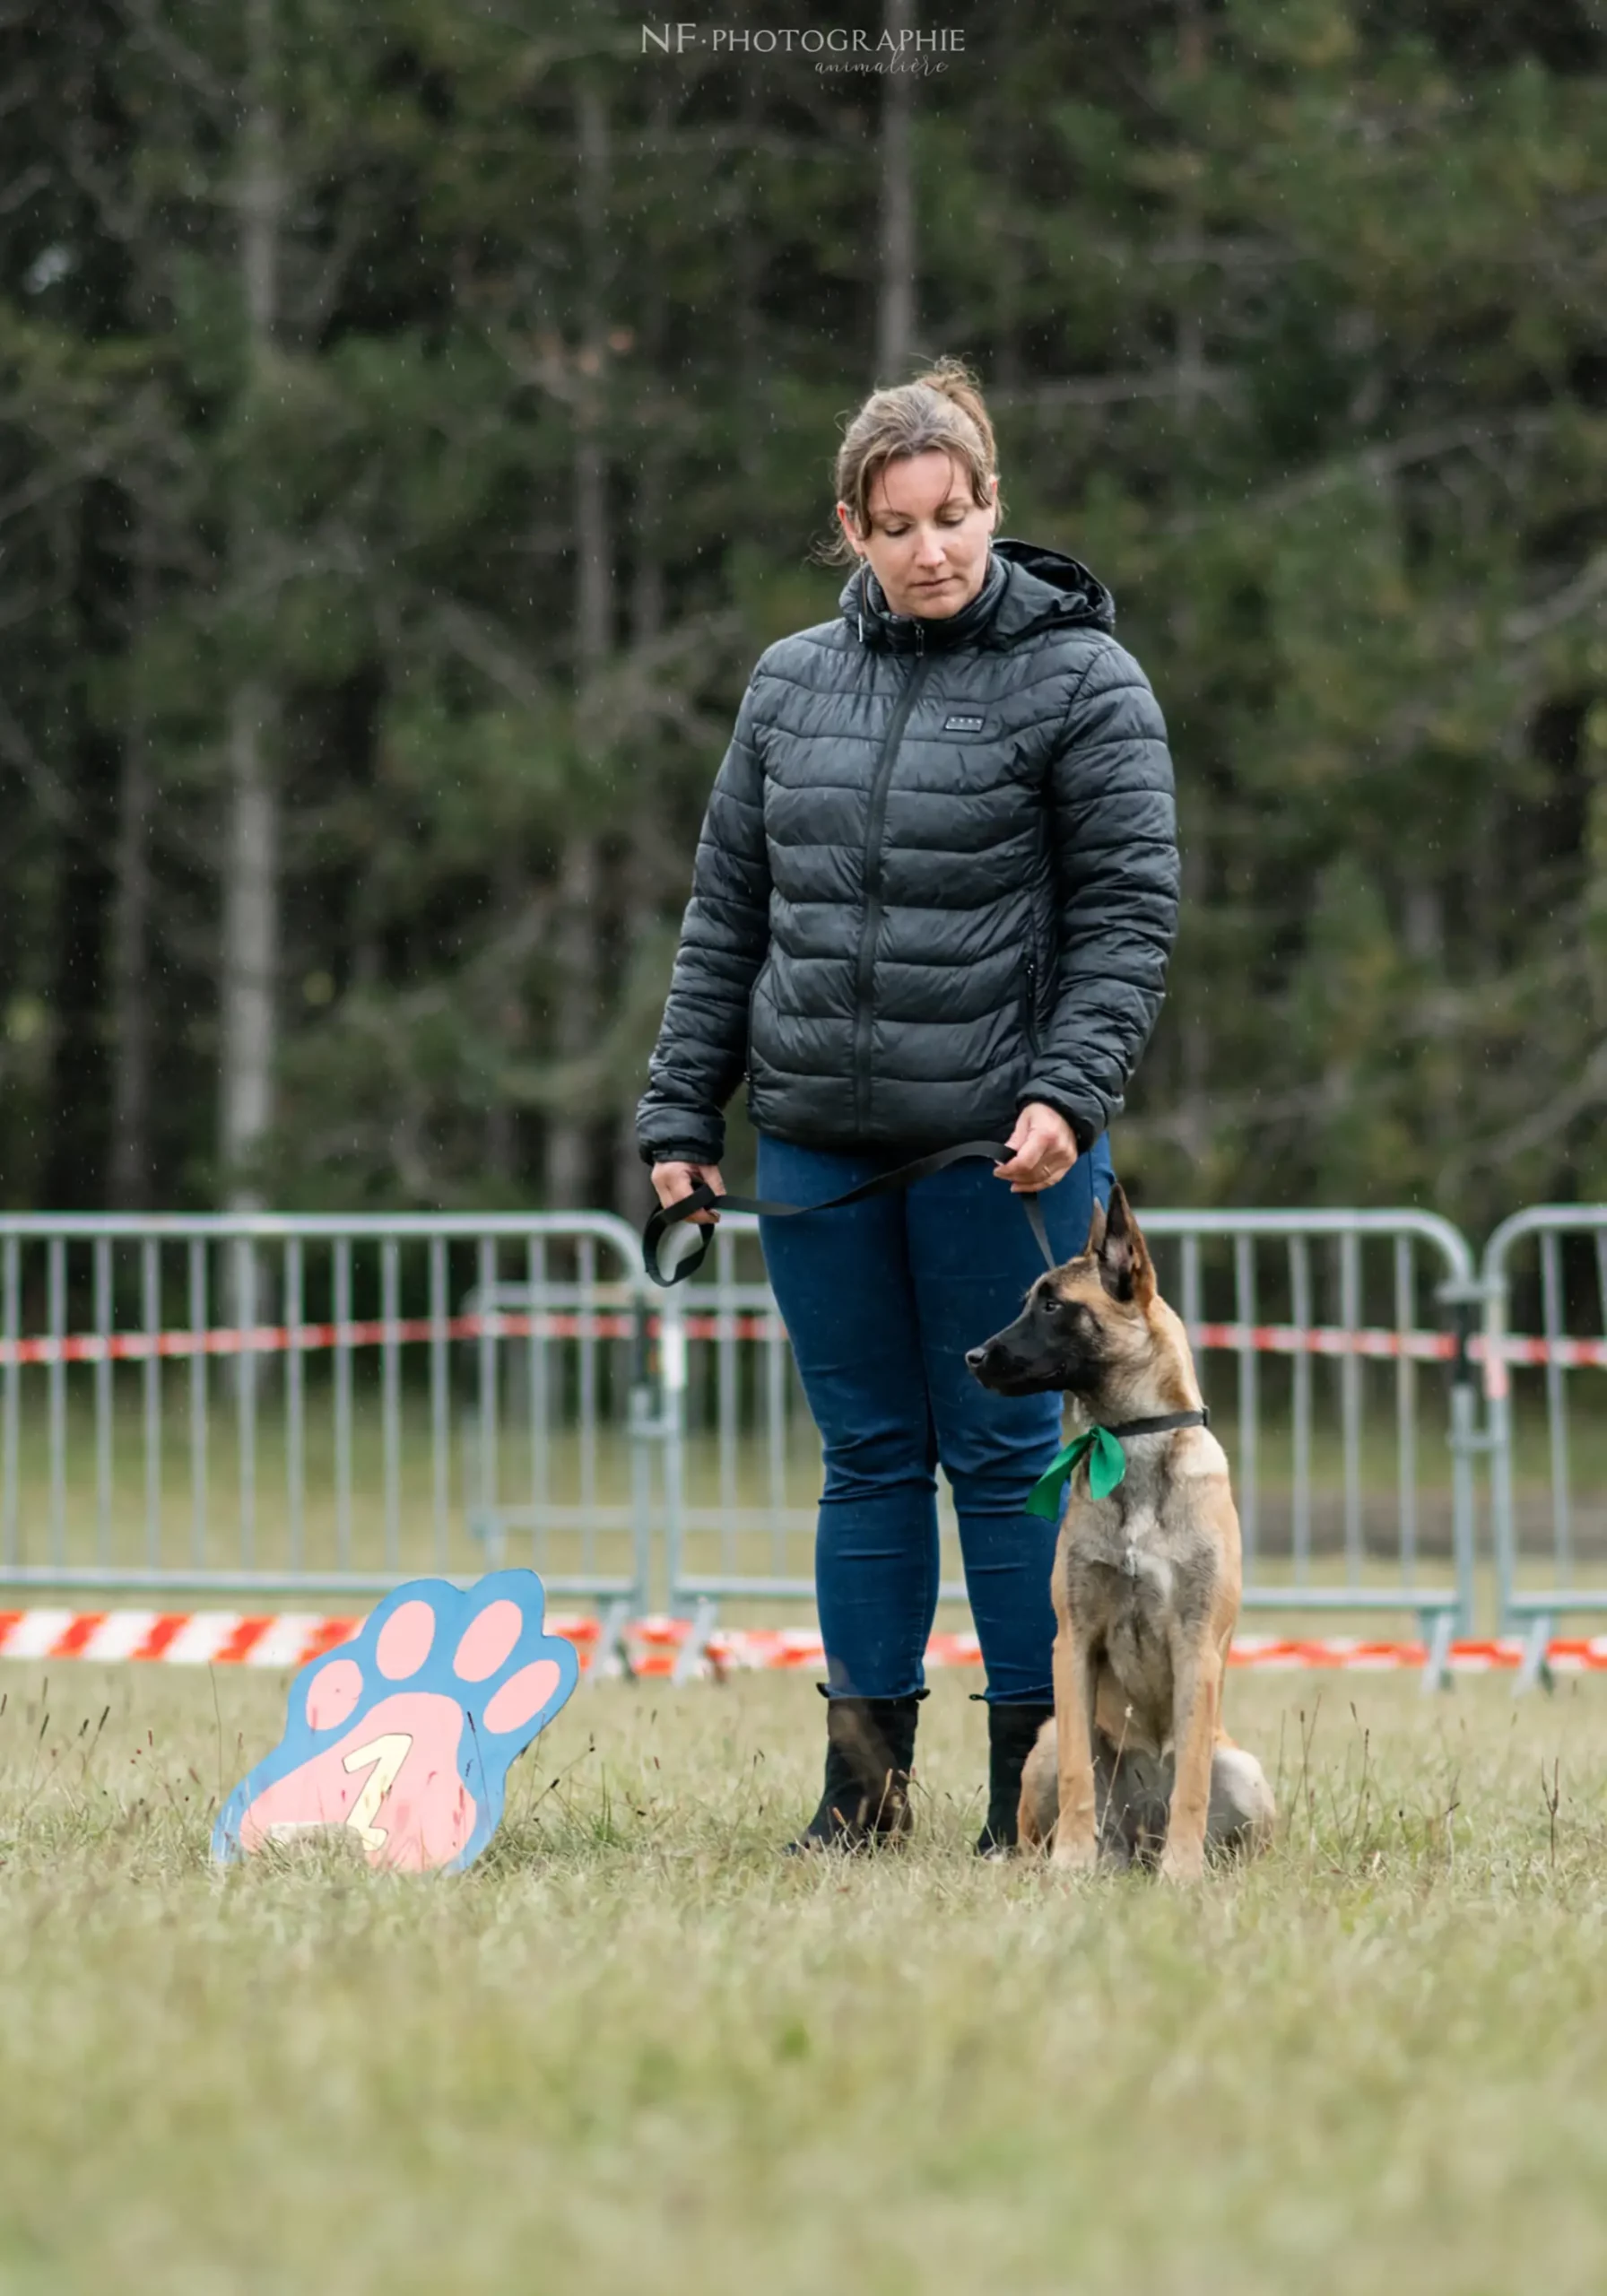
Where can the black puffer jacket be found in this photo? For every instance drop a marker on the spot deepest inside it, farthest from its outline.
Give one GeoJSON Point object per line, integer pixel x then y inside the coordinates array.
{"type": "Point", "coordinates": [937, 878]}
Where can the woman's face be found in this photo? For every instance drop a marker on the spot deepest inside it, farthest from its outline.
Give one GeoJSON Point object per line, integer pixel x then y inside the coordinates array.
{"type": "Point", "coordinates": [928, 540]}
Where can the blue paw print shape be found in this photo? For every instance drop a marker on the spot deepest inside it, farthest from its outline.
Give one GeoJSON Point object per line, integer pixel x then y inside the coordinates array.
{"type": "Point", "coordinates": [405, 1735]}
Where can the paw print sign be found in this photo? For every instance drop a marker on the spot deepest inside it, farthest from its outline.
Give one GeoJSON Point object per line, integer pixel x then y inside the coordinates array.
{"type": "Point", "coordinates": [405, 1736]}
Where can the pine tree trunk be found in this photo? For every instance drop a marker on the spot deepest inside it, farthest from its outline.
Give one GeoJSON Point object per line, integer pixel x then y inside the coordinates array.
{"type": "Point", "coordinates": [250, 950]}
{"type": "Point", "coordinates": [250, 940]}
{"type": "Point", "coordinates": [129, 1161]}
{"type": "Point", "coordinates": [576, 951]}
{"type": "Point", "coordinates": [895, 303]}
{"type": "Point", "coordinates": [1194, 1020]}
{"type": "Point", "coordinates": [646, 839]}
{"type": "Point", "coordinates": [747, 283]}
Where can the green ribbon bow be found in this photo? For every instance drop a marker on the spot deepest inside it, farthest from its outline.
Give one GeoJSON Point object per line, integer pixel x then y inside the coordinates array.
{"type": "Point", "coordinates": [1107, 1466]}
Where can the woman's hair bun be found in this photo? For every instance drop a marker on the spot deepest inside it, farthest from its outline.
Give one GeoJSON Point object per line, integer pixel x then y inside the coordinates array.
{"type": "Point", "coordinates": [953, 380]}
{"type": "Point", "coordinates": [942, 408]}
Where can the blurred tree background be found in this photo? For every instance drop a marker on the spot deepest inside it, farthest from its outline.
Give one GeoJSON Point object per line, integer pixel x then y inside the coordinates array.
{"type": "Point", "coordinates": [415, 417]}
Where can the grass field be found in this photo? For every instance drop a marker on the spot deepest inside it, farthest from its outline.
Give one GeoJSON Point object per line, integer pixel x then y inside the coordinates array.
{"type": "Point", "coordinates": [638, 2051]}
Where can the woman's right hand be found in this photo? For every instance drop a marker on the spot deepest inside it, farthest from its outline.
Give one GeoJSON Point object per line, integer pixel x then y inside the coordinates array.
{"type": "Point", "coordinates": [670, 1182]}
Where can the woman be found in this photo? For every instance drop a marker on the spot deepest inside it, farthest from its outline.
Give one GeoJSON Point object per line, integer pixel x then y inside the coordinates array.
{"type": "Point", "coordinates": [934, 900]}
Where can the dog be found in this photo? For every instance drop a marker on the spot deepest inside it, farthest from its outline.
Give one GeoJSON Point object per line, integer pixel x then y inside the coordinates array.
{"type": "Point", "coordinates": [1136, 1765]}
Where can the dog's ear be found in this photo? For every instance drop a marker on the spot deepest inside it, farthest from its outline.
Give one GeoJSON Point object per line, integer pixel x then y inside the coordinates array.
{"type": "Point", "coordinates": [1096, 1229]}
{"type": "Point", "coordinates": [1123, 1257]}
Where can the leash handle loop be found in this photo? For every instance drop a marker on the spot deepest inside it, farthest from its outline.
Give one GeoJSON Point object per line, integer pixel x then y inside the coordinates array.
{"type": "Point", "coordinates": [703, 1199]}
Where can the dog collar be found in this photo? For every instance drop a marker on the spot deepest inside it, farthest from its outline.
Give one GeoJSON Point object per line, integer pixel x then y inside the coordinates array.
{"type": "Point", "coordinates": [1101, 1447]}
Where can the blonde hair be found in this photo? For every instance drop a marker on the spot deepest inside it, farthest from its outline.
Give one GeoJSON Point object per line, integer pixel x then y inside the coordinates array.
{"type": "Point", "coordinates": [941, 409]}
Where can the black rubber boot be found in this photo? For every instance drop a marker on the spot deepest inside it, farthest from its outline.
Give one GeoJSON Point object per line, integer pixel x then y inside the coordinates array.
{"type": "Point", "coordinates": [869, 1752]}
{"type": "Point", "coordinates": [1012, 1734]}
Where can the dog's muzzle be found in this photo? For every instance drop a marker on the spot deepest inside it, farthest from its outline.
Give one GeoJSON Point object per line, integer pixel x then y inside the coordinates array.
{"type": "Point", "coordinates": [1000, 1368]}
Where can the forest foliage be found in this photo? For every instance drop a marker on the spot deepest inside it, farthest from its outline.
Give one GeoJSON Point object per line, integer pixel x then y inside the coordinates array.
{"type": "Point", "coordinates": [415, 418]}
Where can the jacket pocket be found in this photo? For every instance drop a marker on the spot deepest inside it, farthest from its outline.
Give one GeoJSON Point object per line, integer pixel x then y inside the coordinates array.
{"type": "Point", "coordinates": [752, 1000]}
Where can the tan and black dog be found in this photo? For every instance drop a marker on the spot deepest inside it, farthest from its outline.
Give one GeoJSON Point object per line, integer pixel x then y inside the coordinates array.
{"type": "Point", "coordinates": [1147, 1580]}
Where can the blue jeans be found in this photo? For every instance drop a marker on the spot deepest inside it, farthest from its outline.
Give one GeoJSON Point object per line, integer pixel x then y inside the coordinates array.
{"type": "Point", "coordinates": [880, 1301]}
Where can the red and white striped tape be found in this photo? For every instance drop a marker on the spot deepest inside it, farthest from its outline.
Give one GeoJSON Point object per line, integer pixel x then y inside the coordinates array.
{"type": "Point", "coordinates": [199, 1637]}
{"type": "Point", "coordinates": [311, 1339]}
{"type": "Point", "coordinates": [289, 1638]}
{"type": "Point", "coordinates": [306, 1339]}
{"type": "Point", "coordinates": [799, 1650]}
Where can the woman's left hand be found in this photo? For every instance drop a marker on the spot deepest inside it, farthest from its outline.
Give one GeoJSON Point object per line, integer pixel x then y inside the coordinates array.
{"type": "Point", "coordinates": [1047, 1146]}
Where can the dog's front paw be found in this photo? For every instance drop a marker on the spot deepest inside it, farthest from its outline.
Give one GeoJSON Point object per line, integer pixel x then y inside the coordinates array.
{"type": "Point", "coordinates": [1079, 1854]}
{"type": "Point", "coordinates": [1182, 1862]}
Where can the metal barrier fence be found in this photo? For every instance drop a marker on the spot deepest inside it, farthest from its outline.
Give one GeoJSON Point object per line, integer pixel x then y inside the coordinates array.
{"type": "Point", "coordinates": [324, 1405]}
{"type": "Point", "coordinates": [245, 1405]}
{"type": "Point", "coordinates": [1343, 1508]}
{"type": "Point", "coordinates": [1548, 1458]}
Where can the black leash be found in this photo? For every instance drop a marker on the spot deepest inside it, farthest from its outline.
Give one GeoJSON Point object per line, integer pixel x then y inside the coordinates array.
{"type": "Point", "coordinates": [704, 1199]}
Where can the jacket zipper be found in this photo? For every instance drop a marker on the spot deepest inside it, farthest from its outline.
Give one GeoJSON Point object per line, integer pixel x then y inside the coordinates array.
{"type": "Point", "coordinates": [875, 819]}
{"type": "Point", "coordinates": [1032, 1003]}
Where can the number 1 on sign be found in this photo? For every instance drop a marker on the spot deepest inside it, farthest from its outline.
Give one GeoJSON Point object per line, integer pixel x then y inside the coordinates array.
{"type": "Point", "coordinates": [387, 1755]}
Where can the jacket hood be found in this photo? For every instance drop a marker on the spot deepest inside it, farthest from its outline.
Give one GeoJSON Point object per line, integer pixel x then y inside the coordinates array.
{"type": "Point", "coordinates": [1026, 588]}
